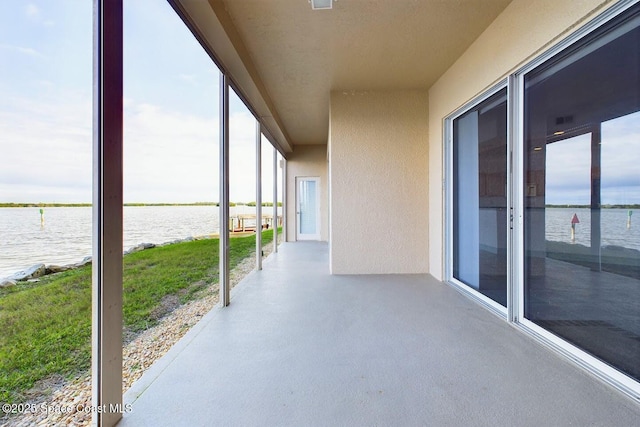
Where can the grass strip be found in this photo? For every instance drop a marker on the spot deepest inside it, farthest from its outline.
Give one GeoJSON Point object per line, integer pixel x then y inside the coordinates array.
{"type": "Point", "coordinates": [45, 327]}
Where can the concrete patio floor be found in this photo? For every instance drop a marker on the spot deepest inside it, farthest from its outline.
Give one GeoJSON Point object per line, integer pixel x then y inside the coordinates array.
{"type": "Point", "coordinates": [299, 347]}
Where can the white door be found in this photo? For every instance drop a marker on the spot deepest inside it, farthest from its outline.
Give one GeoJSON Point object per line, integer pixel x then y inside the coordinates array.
{"type": "Point", "coordinates": [308, 208]}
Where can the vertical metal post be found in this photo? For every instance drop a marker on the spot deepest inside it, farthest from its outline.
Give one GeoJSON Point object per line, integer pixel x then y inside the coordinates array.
{"type": "Point", "coordinates": [513, 129]}
{"type": "Point", "coordinates": [258, 196]}
{"type": "Point", "coordinates": [275, 200]}
{"type": "Point", "coordinates": [285, 201]}
{"type": "Point", "coordinates": [224, 191]}
{"type": "Point", "coordinates": [106, 363]}
{"type": "Point", "coordinates": [596, 232]}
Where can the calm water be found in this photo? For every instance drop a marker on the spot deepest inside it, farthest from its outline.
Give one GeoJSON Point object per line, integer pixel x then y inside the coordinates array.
{"type": "Point", "coordinates": [613, 223]}
{"type": "Point", "coordinates": [66, 235]}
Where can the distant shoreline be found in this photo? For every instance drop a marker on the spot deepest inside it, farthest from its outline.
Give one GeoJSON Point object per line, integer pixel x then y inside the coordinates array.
{"type": "Point", "coordinates": [633, 206]}
{"type": "Point", "coordinates": [88, 205]}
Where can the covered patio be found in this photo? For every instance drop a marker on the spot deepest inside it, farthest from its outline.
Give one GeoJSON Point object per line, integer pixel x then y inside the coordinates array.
{"type": "Point", "coordinates": [299, 346]}
{"type": "Point", "coordinates": [360, 326]}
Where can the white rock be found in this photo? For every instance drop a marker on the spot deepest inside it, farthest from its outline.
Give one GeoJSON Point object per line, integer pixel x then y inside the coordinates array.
{"type": "Point", "coordinates": [6, 283]}
{"type": "Point", "coordinates": [140, 247]}
{"type": "Point", "coordinates": [32, 272]}
{"type": "Point", "coordinates": [85, 261]}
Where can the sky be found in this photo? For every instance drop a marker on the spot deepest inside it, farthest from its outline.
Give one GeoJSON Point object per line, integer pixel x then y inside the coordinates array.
{"type": "Point", "coordinates": [171, 121]}
{"type": "Point", "coordinates": [171, 116]}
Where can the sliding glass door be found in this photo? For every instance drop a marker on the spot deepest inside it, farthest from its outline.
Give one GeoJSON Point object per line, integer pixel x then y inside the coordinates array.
{"type": "Point", "coordinates": [544, 228]}
{"type": "Point", "coordinates": [480, 211]}
{"type": "Point", "coordinates": [582, 185]}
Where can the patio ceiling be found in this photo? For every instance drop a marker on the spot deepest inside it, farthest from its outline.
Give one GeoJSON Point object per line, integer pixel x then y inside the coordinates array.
{"type": "Point", "coordinates": [287, 58]}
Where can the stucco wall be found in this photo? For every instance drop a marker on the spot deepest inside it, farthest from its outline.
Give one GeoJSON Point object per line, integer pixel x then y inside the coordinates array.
{"type": "Point", "coordinates": [378, 170]}
{"type": "Point", "coordinates": [525, 29]}
{"type": "Point", "coordinates": [307, 161]}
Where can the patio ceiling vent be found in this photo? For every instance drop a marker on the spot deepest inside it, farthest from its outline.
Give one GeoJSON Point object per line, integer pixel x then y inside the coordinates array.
{"type": "Point", "coordinates": [321, 4]}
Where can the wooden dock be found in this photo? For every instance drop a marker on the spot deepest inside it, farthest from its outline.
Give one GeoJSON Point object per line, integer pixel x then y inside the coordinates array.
{"type": "Point", "coordinates": [247, 223]}
{"type": "Point", "coordinates": [244, 225]}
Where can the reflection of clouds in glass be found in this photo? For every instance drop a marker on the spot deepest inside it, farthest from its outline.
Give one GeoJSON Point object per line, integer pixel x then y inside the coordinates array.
{"type": "Point", "coordinates": [568, 165]}
{"type": "Point", "coordinates": [568, 171]}
{"type": "Point", "coordinates": [621, 160]}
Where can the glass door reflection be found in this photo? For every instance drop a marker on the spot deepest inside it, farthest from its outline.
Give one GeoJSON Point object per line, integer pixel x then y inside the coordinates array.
{"type": "Point", "coordinates": [582, 186]}
{"type": "Point", "coordinates": [480, 211]}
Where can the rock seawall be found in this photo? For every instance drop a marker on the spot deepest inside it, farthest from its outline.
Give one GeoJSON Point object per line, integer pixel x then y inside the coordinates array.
{"type": "Point", "coordinates": [36, 271]}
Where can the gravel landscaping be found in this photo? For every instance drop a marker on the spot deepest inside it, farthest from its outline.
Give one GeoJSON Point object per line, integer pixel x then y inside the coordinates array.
{"type": "Point", "coordinates": [138, 355]}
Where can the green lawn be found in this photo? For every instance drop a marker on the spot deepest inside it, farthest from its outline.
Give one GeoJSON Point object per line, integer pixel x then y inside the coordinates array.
{"type": "Point", "coordinates": [45, 327]}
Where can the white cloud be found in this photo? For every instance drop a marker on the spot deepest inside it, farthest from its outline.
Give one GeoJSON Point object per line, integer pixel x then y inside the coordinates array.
{"type": "Point", "coordinates": [189, 78]}
{"type": "Point", "coordinates": [34, 14]}
{"type": "Point", "coordinates": [46, 151]}
{"type": "Point", "coordinates": [32, 11]}
{"type": "Point", "coordinates": [45, 84]}
{"type": "Point", "coordinates": [21, 49]}
{"type": "Point", "coordinates": [242, 157]}
{"type": "Point", "coordinates": [169, 156]}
